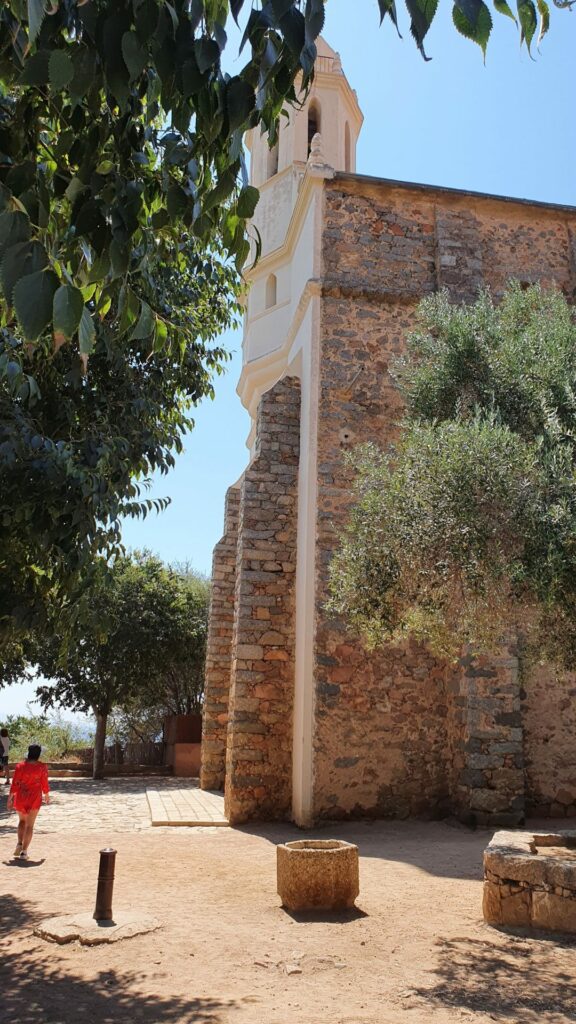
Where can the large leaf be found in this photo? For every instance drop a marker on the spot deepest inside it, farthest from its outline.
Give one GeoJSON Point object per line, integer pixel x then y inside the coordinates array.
{"type": "Point", "coordinates": [389, 7]}
{"type": "Point", "coordinates": [86, 332]}
{"type": "Point", "coordinates": [315, 16]}
{"type": "Point", "coordinates": [36, 12]}
{"type": "Point", "coordinates": [220, 193]}
{"type": "Point", "coordinates": [528, 21]}
{"type": "Point", "coordinates": [68, 307]}
{"type": "Point", "coordinates": [247, 201]}
{"type": "Point", "coordinates": [207, 53]}
{"type": "Point", "coordinates": [544, 12]}
{"type": "Point", "coordinates": [422, 15]}
{"type": "Point", "coordinates": [308, 56]}
{"type": "Point", "coordinates": [60, 70]}
{"type": "Point", "coordinates": [240, 102]}
{"type": "Point", "coordinates": [473, 20]}
{"type": "Point", "coordinates": [293, 28]}
{"type": "Point", "coordinates": [145, 324]}
{"type": "Point", "coordinates": [33, 298]}
{"type": "Point", "coordinates": [36, 69]}
{"type": "Point", "coordinates": [135, 56]}
{"type": "Point", "coordinates": [236, 6]}
{"type": "Point", "coordinates": [503, 8]}
{"type": "Point", "coordinates": [281, 7]}
{"type": "Point", "coordinates": [84, 61]}
{"type": "Point", "coordinates": [20, 260]}
{"type": "Point", "coordinates": [14, 228]}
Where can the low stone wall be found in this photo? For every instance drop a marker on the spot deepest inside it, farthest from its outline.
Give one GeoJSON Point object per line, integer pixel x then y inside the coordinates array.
{"type": "Point", "coordinates": [526, 888]}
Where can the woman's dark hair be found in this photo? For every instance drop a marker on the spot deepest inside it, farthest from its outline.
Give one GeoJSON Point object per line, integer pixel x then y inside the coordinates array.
{"type": "Point", "coordinates": [34, 752]}
{"type": "Point", "coordinates": [3, 732]}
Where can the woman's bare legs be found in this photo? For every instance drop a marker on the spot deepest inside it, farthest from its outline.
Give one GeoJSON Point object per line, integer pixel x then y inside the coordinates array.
{"type": "Point", "coordinates": [26, 828]}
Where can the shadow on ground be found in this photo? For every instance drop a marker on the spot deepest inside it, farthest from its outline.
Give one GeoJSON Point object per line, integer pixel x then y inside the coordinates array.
{"type": "Point", "coordinates": [427, 845]}
{"type": "Point", "coordinates": [325, 916]}
{"type": "Point", "coordinates": [35, 990]}
{"type": "Point", "coordinates": [523, 981]}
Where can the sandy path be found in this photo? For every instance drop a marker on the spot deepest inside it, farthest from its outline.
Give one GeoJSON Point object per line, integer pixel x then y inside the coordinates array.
{"type": "Point", "coordinates": [415, 951]}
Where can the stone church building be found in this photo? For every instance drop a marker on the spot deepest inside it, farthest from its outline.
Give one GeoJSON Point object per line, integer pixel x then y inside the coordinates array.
{"type": "Point", "coordinates": [301, 722]}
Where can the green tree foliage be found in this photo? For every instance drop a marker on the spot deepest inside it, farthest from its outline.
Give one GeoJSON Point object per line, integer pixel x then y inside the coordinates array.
{"type": "Point", "coordinates": [119, 131]}
{"type": "Point", "coordinates": [123, 199]}
{"type": "Point", "coordinates": [466, 529]}
{"type": "Point", "coordinates": [141, 645]}
{"type": "Point", "coordinates": [180, 619]}
{"type": "Point", "coordinates": [56, 736]}
{"type": "Point", "coordinates": [75, 461]}
{"type": "Point", "coordinates": [13, 656]}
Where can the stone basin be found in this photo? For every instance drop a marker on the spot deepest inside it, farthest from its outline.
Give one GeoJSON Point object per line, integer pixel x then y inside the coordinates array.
{"type": "Point", "coordinates": [317, 874]}
{"type": "Point", "coordinates": [530, 880]}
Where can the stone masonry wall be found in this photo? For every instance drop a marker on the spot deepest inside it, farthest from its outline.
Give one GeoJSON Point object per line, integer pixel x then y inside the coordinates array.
{"type": "Point", "coordinates": [380, 731]}
{"type": "Point", "coordinates": [549, 721]}
{"type": "Point", "coordinates": [259, 749]}
{"type": "Point", "coordinates": [396, 731]}
{"type": "Point", "coordinates": [488, 785]}
{"type": "Point", "coordinates": [408, 241]}
{"type": "Point", "coordinates": [219, 649]}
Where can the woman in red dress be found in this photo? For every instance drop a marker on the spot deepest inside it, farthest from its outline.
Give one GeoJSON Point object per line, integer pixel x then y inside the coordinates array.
{"type": "Point", "coordinates": [29, 785]}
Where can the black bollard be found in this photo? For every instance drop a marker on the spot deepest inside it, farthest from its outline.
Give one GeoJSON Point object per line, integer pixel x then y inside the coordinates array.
{"type": "Point", "coordinates": [103, 910]}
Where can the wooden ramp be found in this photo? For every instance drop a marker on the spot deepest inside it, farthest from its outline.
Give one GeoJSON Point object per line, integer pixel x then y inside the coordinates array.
{"type": "Point", "coordinates": [186, 805]}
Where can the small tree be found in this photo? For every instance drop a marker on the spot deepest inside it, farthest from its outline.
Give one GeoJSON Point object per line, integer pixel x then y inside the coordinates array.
{"type": "Point", "coordinates": [179, 646]}
{"type": "Point", "coordinates": [467, 527]}
{"type": "Point", "coordinates": [139, 644]}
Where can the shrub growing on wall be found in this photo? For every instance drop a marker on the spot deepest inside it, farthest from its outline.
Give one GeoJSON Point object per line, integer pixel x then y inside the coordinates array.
{"type": "Point", "coordinates": [466, 528]}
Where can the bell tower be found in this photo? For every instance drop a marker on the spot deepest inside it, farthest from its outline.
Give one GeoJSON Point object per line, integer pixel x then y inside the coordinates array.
{"type": "Point", "coordinates": [316, 140]}
{"type": "Point", "coordinates": [331, 108]}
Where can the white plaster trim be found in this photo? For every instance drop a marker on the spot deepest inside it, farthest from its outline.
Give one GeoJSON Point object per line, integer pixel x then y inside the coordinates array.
{"type": "Point", "coordinates": [283, 252]}
{"type": "Point", "coordinates": [261, 369]}
{"type": "Point", "coordinates": [264, 312]}
{"type": "Point", "coordinates": [304, 682]}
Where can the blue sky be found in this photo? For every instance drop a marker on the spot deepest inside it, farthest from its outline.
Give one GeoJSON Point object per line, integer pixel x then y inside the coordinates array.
{"type": "Point", "coordinates": [505, 127]}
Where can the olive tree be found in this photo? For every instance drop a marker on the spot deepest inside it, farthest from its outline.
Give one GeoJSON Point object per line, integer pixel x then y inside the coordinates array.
{"type": "Point", "coordinates": [466, 528]}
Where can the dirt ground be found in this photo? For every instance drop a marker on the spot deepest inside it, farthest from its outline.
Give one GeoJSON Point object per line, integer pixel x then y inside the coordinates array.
{"type": "Point", "coordinates": [414, 951]}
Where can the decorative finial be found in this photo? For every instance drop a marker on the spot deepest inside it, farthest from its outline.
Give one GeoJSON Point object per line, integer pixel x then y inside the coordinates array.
{"type": "Point", "coordinates": [317, 165]}
{"type": "Point", "coordinates": [316, 155]}
{"type": "Point", "coordinates": [337, 64]}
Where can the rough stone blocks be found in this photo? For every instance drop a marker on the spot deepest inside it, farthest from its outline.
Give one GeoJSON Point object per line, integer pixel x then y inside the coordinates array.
{"type": "Point", "coordinates": [317, 874]}
{"type": "Point", "coordinates": [530, 881]}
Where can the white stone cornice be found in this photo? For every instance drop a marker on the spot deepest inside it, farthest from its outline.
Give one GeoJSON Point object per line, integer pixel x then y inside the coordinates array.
{"type": "Point", "coordinates": [258, 374]}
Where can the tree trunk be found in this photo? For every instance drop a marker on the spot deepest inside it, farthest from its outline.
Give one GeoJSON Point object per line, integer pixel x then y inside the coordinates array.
{"type": "Point", "coordinates": [99, 744]}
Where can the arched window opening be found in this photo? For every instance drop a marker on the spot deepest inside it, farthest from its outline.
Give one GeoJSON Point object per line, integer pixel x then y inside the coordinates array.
{"type": "Point", "coordinates": [271, 291]}
{"type": "Point", "coordinates": [272, 165]}
{"type": "Point", "coordinates": [314, 122]}
{"type": "Point", "coordinates": [347, 148]}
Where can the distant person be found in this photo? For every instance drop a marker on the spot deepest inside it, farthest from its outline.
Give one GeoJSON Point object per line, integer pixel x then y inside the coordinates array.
{"type": "Point", "coordinates": [4, 754]}
{"type": "Point", "coordinates": [29, 785]}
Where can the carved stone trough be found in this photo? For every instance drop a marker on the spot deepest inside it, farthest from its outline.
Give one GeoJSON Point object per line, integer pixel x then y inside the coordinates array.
{"type": "Point", "coordinates": [317, 874]}
{"type": "Point", "coordinates": [530, 880]}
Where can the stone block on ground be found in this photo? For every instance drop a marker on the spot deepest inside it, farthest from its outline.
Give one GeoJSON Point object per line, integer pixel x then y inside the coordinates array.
{"type": "Point", "coordinates": [553, 913]}
{"type": "Point", "coordinates": [88, 932]}
{"type": "Point", "coordinates": [317, 874]}
{"type": "Point", "coordinates": [530, 881]}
